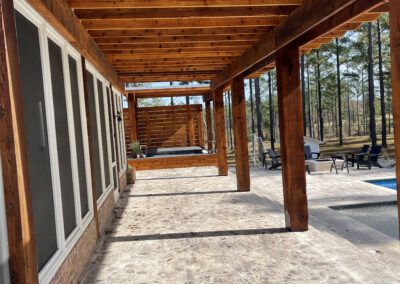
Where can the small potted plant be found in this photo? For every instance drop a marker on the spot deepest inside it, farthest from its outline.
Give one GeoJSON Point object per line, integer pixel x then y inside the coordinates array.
{"type": "Point", "coordinates": [130, 175]}
{"type": "Point", "coordinates": [135, 149]}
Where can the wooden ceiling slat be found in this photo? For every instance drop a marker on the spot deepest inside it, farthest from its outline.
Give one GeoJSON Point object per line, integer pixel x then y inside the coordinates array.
{"type": "Point", "coordinates": [161, 13]}
{"type": "Point", "coordinates": [138, 46]}
{"type": "Point", "coordinates": [190, 50]}
{"type": "Point", "coordinates": [123, 24]}
{"type": "Point", "coordinates": [175, 39]}
{"type": "Point", "coordinates": [174, 55]}
{"type": "Point", "coordinates": [105, 4]}
{"type": "Point", "coordinates": [210, 31]}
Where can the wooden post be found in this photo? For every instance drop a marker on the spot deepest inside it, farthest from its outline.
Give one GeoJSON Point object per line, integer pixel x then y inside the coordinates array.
{"type": "Point", "coordinates": [91, 150]}
{"type": "Point", "coordinates": [292, 139]}
{"type": "Point", "coordinates": [14, 161]}
{"type": "Point", "coordinates": [210, 137]}
{"type": "Point", "coordinates": [394, 14]}
{"type": "Point", "coordinates": [219, 126]}
{"type": "Point", "coordinates": [132, 116]}
{"type": "Point", "coordinates": [240, 134]}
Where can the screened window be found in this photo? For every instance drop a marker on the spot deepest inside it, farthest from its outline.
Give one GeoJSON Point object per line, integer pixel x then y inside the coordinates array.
{"type": "Point", "coordinates": [37, 139]}
{"type": "Point", "coordinates": [80, 152]}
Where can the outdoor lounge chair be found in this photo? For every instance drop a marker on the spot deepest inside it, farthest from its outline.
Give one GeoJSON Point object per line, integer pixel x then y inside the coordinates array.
{"type": "Point", "coordinates": [309, 155]}
{"type": "Point", "coordinates": [358, 156]}
{"type": "Point", "coordinates": [370, 159]}
{"type": "Point", "coordinates": [276, 163]}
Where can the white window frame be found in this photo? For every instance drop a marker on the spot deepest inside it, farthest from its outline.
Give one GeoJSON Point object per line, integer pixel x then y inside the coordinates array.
{"type": "Point", "coordinates": [64, 246]}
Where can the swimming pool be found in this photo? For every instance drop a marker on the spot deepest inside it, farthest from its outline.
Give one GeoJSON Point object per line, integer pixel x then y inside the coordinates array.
{"type": "Point", "coordinates": [388, 183]}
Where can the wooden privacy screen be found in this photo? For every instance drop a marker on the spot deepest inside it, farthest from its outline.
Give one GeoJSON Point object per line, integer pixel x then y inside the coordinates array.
{"type": "Point", "coordinates": [169, 126]}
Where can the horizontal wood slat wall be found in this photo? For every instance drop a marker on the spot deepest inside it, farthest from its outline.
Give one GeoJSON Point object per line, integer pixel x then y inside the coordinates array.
{"type": "Point", "coordinates": [173, 162]}
{"type": "Point", "coordinates": [168, 126]}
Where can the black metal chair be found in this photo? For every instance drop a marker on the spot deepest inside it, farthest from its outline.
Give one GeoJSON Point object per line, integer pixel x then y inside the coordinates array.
{"type": "Point", "coordinates": [356, 156]}
{"type": "Point", "coordinates": [276, 162]}
{"type": "Point", "coordinates": [309, 155]}
{"type": "Point", "coordinates": [370, 159]}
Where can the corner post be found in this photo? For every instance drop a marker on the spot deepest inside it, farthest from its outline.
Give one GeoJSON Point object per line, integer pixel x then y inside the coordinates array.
{"type": "Point", "coordinates": [219, 121]}
{"type": "Point", "coordinates": [240, 134]}
{"type": "Point", "coordinates": [394, 15]}
{"type": "Point", "coordinates": [292, 139]}
{"type": "Point", "coordinates": [17, 192]}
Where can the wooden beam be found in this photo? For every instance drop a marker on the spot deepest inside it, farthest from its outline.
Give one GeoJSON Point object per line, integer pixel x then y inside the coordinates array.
{"type": "Point", "coordinates": [210, 137]}
{"type": "Point", "coordinates": [220, 135]}
{"type": "Point", "coordinates": [240, 134]}
{"type": "Point", "coordinates": [96, 4]}
{"type": "Point", "coordinates": [165, 46]}
{"type": "Point", "coordinates": [292, 139]}
{"type": "Point", "coordinates": [89, 125]}
{"type": "Point", "coordinates": [334, 22]}
{"type": "Point", "coordinates": [14, 161]}
{"type": "Point", "coordinates": [169, 92]}
{"type": "Point", "coordinates": [63, 19]}
{"type": "Point", "coordinates": [394, 15]}
{"type": "Point", "coordinates": [132, 105]}
{"type": "Point", "coordinates": [303, 19]}
{"type": "Point", "coordinates": [162, 13]}
{"type": "Point", "coordinates": [173, 23]}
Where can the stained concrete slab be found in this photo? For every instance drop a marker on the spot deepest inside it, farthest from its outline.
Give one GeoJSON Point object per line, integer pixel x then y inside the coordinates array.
{"type": "Point", "coordinates": [191, 226]}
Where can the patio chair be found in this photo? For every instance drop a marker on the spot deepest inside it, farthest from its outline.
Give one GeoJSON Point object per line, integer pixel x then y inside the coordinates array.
{"type": "Point", "coordinates": [309, 155]}
{"type": "Point", "coordinates": [356, 156]}
{"type": "Point", "coordinates": [262, 154]}
{"type": "Point", "coordinates": [276, 163]}
{"type": "Point", "coordinates": [370, 159]}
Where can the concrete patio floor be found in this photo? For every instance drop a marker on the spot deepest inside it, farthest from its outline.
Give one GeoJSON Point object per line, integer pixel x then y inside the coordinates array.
{"type": "Point", "coordinates": [190, 226]}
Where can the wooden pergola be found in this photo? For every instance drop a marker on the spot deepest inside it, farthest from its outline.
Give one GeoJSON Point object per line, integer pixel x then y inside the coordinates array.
{"type": "Point", "coordinates": [223, 41]}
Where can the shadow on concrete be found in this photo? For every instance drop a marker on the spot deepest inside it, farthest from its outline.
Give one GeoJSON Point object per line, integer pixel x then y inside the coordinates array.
{"type": "Point", "coordinates": [191, 235]}
{"type": "Point", "coordinates": [183, 193]}
{"type": "Point", "coordinates": [174, 178]}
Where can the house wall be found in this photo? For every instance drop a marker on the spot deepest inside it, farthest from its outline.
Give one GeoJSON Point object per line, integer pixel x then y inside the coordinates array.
{"type": "Point", "coordinates": [73, 252]}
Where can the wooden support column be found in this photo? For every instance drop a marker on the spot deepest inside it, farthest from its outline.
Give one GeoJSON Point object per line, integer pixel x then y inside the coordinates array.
{"type": "Point", "coordinates": [240, 134]}
{"type": "Point", "coordinates": [220, 136]}
{"type": "Point", "coordinates": [210, 137]}
{"type": "Point", "coordinates": [394, 14]}
{"type": "Point", "coordinates": [132, 105]}
{"type": "Point", "coordinates": [292, 139]}
{"type": "Point", "coordinates": [14, 161]}
{"type": "Point", "coordinates": [89, 125]}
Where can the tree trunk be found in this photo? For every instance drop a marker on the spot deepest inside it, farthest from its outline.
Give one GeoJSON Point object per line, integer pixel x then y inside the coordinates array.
{"type": "Point", "coordinates": [382, 86]}
{"type": "Point", "coordinates": [321, 119]}
{"type": "Point", "coordinates": [348, 104]}
{"type": "Point", "coordinates": [371, 88]}
{"type": "Point", "coordinates": [339, 90]}
{"type": "Point", "coordinates": [258, 108]}
{"type": "Point", "coordinates": [271, 112]}
{"type": "Point", "coordinates": [309, 99]}
{"type": "Point", "coordinates": [252, 107]}
{"type": "Point", "coordinates": [303, 95]}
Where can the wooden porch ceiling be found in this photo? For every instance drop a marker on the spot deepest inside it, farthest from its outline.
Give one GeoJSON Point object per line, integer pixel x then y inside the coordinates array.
{"type": "Point", "coordinates": [150, 41]}
{"type": "Point", "coordinates": [184, 91]}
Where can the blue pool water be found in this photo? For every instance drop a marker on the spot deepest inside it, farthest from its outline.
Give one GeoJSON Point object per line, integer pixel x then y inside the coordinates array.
{"type": "Point", "coordinates": [388, 183]}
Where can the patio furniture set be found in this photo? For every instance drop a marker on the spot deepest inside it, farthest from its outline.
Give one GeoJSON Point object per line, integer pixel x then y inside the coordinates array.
{"type": "Point", "coordinates": [367, 157]}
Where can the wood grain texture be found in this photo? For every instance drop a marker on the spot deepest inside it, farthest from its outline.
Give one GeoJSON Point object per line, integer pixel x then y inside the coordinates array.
{"type": "Point", "coordinates": [394, 14]}
{"type": "Point", "coordinates": [132, 106]}
{"type": "Point", "coordinates": [291, 138]}
{"type": "Point", "coordinates": [220, 135]}
{"type": "Point", "coordinates": [17, 192]}
{"type": "Point", "coordinates": [186, 161]}
{"type": "Point", "coordinates": [240, 134]}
